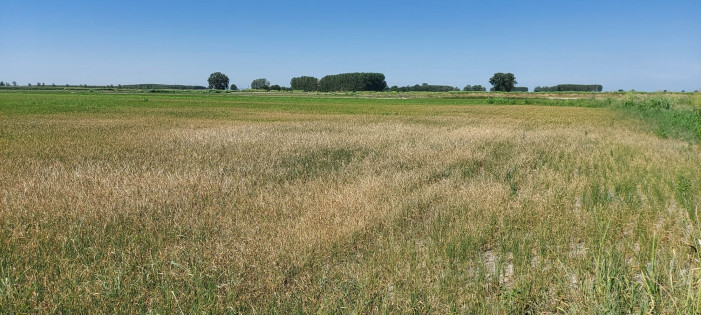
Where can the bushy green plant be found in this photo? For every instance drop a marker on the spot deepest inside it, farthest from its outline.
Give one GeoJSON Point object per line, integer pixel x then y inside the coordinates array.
{"type": "Point", "coordinates": [656, 103]}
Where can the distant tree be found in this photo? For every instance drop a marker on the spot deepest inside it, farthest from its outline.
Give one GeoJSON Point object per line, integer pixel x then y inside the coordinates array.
{"type": "Point", "coordinates": [14, 83]}
{"type": "Point", "coordinates": [163, 86]}
{"type": "Point", "coordinates": [2, 83]}
{"type": "Point", "coordinates": [260, 84]}
{"type": "Point", "coordinates": [305, 83]}
{"type": "Point", "coordinates": [570, 88]}
{"type": "Point", "coordinates": [477, 88]}
{"type": "Point", "coordinates": [503, 82]}
{"type": "Point", "coordinates": [53, 84]}
{"type": "Point", "coordinates": [358, 81]}
{"type": "Point", "coordinates": [275, 87]}
{"type": "Point", "coordinates": [424, 87]}
{"type": "Point", "coordinates": [233, 87]}
{"type": "Point", "coordinates": [29, 84]}
{"type": "Point", "coordinates": [218, 81]}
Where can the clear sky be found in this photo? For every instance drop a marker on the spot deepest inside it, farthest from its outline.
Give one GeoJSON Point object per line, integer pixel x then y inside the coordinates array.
{"type": "Point", "coordinates": [641, 45]}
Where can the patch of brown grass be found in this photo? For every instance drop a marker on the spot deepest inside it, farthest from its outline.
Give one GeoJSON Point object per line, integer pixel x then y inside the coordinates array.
{"type": "Point", "coordinates": [477, 207]}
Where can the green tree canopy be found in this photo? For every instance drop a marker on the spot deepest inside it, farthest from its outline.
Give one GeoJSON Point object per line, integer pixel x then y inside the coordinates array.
{"type": "Point", "coordinates": [358, 81]}
{"type": "Point", "coordinates": [218, 81]}
{"type": "Point", "coordinates": [425, 87]}
{"type": "Point", "coordinates": [260, 84]}
{"type": "Point", "coordinates": [233, 87]}
{"type": "Point", "coordinates": [570, 88]}
{"type": "Point", "coordinates": [478, 88]}
{"type": "Point", "coordinates": [503, 82]}
{"type": "Point", "coordinates": [305, 83]}
{"type": "Point", "coordinates": [152, 86]}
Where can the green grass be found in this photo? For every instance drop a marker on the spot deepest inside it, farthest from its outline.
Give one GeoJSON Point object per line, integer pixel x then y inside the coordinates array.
{"type": "Point", "coordinates": [290, 202]}
{"type": "Point", "coordinates": [673, 116]}
{"type": "Point", "coordinates": [54, 103]}
{"type": "Point", "coordinates": [669, 117]}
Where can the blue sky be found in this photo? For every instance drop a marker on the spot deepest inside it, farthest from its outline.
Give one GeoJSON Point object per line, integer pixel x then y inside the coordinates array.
{"type": "Point", "coordinates": [641, 45]}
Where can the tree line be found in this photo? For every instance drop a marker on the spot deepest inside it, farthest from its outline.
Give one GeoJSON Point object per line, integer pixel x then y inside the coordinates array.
{"type": "Point", "coordinates": [305, 83]}
{"type": "Point", "coordinates": [356, 81]}
{"type": "Point", "coordinates": [570, 88]}
{"type": "Point", "coordinates": [425, 87]}
{"type": "Point", "coordinates": [148, 86]}
{"type": "Point", "coordinates": [474, 88]}
{"type": "Point", "coordinates": [163, 86]}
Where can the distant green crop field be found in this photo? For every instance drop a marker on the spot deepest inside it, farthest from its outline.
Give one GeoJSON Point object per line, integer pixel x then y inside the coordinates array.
{"type": "Point", "coordinates": [355, 202]}
{"type": "Point", "coordinates": [360, 103]}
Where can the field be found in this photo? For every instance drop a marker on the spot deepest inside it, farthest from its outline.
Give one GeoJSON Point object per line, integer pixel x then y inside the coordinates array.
{"type": "Point", "coordinates": [257, 203]}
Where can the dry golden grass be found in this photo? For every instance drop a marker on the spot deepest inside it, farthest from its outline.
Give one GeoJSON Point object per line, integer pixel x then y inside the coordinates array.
{"type": "Point", "coordinates": [492, 208]}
